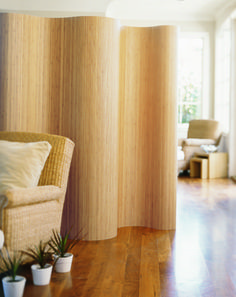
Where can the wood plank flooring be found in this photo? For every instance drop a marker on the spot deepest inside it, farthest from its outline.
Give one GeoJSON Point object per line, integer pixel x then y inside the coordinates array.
{"type": "Point", "coordinates": [197, 259]}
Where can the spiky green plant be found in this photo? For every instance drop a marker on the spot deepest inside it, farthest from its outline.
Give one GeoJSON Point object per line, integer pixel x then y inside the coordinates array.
{"type": "Point", "coordinates": [10, 265]}
{"type": "Point", "coordinates": [60, 243]}
{"type": "Point", "coordinates": [41, 254]}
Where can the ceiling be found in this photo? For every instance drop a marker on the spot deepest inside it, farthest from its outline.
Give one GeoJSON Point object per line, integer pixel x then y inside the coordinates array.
{"type": "Point", "coordinates": [170, 10]}
{"type": "Point", "coordinates": [166, 9]}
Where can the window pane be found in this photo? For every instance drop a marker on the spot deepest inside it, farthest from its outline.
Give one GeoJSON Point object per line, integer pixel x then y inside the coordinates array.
{"type": "Point", "coordinates": [190, 83]}
{"type": "Point", "coordinates": [190, 112]}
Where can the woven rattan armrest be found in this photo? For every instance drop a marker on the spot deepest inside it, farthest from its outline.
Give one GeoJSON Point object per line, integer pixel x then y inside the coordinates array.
{"type": "Point", "coordinates": [26, 196]}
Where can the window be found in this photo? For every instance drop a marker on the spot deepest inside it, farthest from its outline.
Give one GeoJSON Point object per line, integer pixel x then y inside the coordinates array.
{"type": "Point", "coordinates": [193, 86]}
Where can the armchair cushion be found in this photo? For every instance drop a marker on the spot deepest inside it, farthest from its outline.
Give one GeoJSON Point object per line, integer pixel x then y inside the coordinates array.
{"type": "Point", "coordinates": [21, 163]}
{"type": "Point", "coordinates": [198, 141]}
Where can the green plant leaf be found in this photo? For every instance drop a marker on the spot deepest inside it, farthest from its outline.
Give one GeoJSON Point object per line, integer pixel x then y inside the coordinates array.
{"type": "Point", "coordinates": [41, 254]}
{"type": "Point", "coordinates": [60, 244]}
{"type": "Point", "coordinates": [10, 264]}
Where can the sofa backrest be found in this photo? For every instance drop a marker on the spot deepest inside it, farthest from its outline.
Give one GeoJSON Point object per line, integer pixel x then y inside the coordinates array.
{"type": "Point", "coordinates": [205, 129]}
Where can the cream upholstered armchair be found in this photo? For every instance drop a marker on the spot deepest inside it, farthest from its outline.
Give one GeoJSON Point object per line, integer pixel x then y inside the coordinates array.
{"type": "Point", "coordinates": [28, 215]}
{"type": "Point", "coordinates": [199, 132]}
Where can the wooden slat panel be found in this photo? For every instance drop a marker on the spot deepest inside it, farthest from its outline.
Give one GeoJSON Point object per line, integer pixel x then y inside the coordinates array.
{"type": "Point", "coordinates": [61, 76]}
{"type": "Point", "coordinates": [90, 118]}
{"type": "Point", "coordinates": [25, 68]}
{"type": "Point", "coordinates": [147, 151]}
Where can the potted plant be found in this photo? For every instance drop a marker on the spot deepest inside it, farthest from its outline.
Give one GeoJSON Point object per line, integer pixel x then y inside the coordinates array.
{"type": "Point", "coordinates": [42, 270]}
{"type": "Point", "coordinates": [13, 284]}
{"type": "Point", "coordinates": [61, 246]}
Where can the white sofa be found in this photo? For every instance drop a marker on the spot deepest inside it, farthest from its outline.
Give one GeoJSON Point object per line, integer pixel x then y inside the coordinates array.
{"type": "Point", "coordinates": [199, 132]}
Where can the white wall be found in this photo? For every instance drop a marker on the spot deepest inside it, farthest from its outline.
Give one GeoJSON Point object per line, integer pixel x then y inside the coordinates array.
{"type": "Point", "coordinates": [57, 7]}
{"type": "Point", "coordinates": [225, 13]}
{"type": "Point", "coordinates": [55, 14]}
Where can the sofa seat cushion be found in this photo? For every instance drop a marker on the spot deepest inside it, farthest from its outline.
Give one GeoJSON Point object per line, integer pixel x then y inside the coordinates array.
{"type": "Point", "coordinates": [180, 154]}
{"type": "Point", "coordinates": [198, 141]}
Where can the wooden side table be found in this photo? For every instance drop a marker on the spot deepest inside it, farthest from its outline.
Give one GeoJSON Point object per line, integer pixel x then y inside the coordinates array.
{"type": "Point", "coordinates": [217, 165]}
{"type": "Point", "coordinates": [199, 167]}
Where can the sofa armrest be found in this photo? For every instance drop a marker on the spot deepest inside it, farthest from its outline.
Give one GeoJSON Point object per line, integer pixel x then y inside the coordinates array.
{"type": "Point", "coordinates": [198, 142]}
{"type": "Point", "coordinates": [26, 196]}
{"type": "Point", "coordinates": [3, 204]}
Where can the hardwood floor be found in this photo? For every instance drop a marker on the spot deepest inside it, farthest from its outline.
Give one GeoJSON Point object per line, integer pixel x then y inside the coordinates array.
{"type": "Point", "coordinates": [198, 259]}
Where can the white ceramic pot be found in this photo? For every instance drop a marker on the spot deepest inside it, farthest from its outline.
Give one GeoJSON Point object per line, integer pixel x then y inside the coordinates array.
{"type": "Point", "coordinates": [41, 276]}
{"type": "Point", "coordinates": [13, 289]}
{"type": "Point", "coordinates": [63, 264]}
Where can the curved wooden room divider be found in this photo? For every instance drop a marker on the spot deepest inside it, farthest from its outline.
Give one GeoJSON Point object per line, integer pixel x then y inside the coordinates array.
{"type": "Point", "coordinates": [147, 159]}
{"type": "Point", "coordinates": [62, 76]}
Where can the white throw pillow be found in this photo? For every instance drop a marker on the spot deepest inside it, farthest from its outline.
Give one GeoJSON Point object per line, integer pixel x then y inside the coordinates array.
{"type": "Point", "coordinates": [21, 163]}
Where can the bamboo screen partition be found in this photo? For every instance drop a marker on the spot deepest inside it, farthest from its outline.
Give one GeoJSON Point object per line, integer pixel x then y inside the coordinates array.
{"type": "Point", "coordinates": [147, 160]}
{"type": "Point", "coordinates": [112, 91]}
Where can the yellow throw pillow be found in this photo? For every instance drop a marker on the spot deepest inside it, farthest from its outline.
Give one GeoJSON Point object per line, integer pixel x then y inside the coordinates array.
{"type": "Point", "coordinates": [21, 163]}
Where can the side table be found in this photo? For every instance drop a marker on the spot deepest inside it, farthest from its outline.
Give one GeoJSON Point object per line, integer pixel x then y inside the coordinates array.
{"type": "Point", "coordinates": [199, 167]}
{"type": "Point", "coordinates": [217, 165]}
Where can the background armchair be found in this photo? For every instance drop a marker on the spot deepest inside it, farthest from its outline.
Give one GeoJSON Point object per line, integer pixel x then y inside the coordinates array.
{"type": "Point", "coordinates": [30, 214]}
{"type": "Point", "coordinates": [199, 132]}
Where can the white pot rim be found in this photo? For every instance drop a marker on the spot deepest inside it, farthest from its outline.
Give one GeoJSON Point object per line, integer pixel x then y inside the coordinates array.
{"type": "Point", "coordinates": [67, 255]}
{"type": "Point", "coordinates": [19, 278]}
{"type": "Point", "coordinates": [37, 267]}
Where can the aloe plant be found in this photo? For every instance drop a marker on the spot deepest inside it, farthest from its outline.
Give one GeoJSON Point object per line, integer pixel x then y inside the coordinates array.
{"type": "Point", "coordinates": [41, 254]}
{"type": "Point", "coordinates": [60, 243]}
{"type": "Point", "coordinates": [10, 265]}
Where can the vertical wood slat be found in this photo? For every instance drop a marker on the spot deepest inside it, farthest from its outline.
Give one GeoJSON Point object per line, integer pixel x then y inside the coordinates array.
{"type": "Point", "coordinates": [90, 92]}
{"type": "Point", "coordinates": [147, 152]}
{"type": "Point", "coordinates": [19, 77]}
{"type": "Point", "coordinates": [29, 69]}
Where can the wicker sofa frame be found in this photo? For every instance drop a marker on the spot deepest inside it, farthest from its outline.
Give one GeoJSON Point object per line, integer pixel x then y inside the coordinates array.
{"type": "Point", "coordinates": [28, 215]}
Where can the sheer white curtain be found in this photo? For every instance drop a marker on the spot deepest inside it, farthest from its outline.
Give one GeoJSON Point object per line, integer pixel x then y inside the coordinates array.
{"type": "Point", "coordinates": [223, 75]}
{"type": "Point", "coordinates": [225, 87]}
{"type": "Point", "coordinates": [232, 125]}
